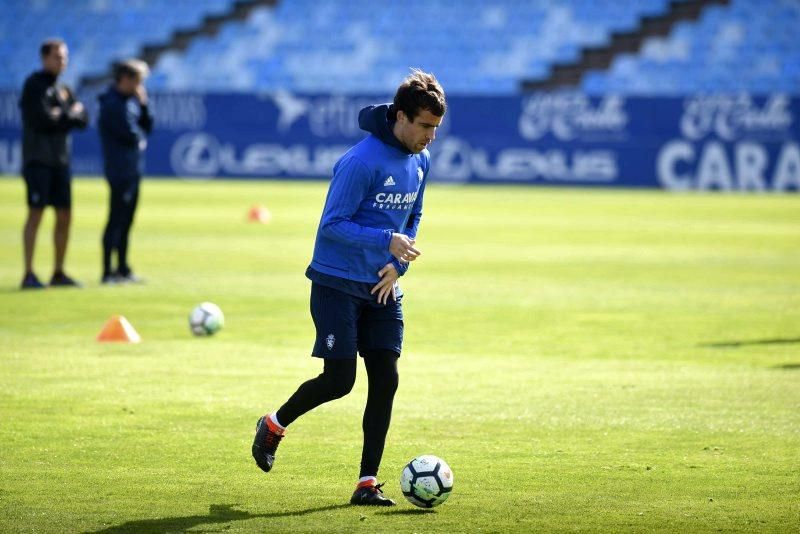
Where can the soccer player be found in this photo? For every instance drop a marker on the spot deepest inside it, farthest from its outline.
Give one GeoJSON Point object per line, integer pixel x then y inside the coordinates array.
{"type": "Point", "coordinates": [365, 241]}
{"type": "Point", "coordinates": [124, 124]}
{"type": "Point", "coordinates": [49, 111]}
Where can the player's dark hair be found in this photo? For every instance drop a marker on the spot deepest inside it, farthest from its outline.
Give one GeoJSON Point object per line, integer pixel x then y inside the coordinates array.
{"type": "Point", "coordinates": [48, 45]}
{"type": "Point", "coordinates": [131, 68]}
{"type": "Point", "coordinates": [420, 91]}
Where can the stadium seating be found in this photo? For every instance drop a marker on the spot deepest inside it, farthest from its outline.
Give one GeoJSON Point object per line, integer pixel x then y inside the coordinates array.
{"type": "Point", "coordinates": [365, 46]}
{"type": "Point", "coordinates": [750, 45]}
{"type": "Point", "coordinates": [97, 31]}
{"type": "Point", "coordinates": [351, 46]}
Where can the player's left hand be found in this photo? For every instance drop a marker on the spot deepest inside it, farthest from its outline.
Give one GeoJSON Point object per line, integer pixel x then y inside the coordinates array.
{"type": "Point", "coordinates": [385, 288]}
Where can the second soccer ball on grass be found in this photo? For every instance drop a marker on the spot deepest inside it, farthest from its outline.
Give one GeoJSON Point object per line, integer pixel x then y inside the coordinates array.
{"type": "Point", "coordinates": [206, 319]}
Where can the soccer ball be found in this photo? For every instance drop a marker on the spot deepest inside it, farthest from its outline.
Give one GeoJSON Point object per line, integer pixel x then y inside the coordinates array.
{"type": "Point", "coordinates": [426, 481]}
{"type": "Point", "coordinates": [206, 319]}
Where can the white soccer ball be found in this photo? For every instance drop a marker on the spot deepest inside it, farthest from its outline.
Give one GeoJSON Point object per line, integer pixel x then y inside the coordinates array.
{"type": "Point", "coordinates": [206, 319]}
{"type": "Point", "coordinates": [426, 481]}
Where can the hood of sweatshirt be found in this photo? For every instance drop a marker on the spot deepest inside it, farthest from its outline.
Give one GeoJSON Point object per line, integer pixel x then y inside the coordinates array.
{"type": "Point", "coordinates": [378, 121]}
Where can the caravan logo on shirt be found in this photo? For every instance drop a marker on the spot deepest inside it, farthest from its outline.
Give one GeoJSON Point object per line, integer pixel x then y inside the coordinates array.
{"type": "Point", "coordinates": [394, 201]}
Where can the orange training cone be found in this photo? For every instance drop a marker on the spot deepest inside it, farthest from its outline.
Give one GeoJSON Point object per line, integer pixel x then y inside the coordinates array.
{"type": "Point", "coordinates": [259, 214]}
{"type": "Point", "coordinates": [117, 328]}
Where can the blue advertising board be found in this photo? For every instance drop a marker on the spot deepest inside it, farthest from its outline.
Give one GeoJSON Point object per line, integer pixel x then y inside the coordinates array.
{"type": "Point", "coordinates": [698, 142]}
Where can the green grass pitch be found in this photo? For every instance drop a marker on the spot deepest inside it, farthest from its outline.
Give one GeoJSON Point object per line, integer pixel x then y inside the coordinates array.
{"type": "Point", "coordinates": [584, 360]}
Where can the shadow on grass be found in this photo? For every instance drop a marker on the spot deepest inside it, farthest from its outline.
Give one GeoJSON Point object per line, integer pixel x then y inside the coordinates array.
{"type": "Point", "coordinates": [17, 289]}
{"type": "Point", "coordinates": [737, 344]}
{"type": "Point", "coordinates": [788, 366]}
{"type": "Point", "coordinates": [406, 511]}
{"type": "Point", "coordinates": [217, 513]}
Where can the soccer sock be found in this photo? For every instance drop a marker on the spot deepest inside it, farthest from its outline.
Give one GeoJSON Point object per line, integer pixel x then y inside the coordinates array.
{"type": "Point", "coordinates": [365, 482]}
{"type": "Point", "coordinates": [336, 381]}
{"type": "Point", "coordinates": [383, 380]}
{"type": "Point", "coordinates": [274, 425]}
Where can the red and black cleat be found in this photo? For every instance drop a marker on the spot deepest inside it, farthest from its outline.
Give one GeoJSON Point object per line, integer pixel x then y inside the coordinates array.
{"type": "Point", "coordinates": [370, 496]}
{"type": "Point", "coordinates": [266, 443]}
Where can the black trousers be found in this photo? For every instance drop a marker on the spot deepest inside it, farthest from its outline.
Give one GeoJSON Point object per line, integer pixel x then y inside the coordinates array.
{"type": "Point", "coordinates": [336, 381]}
{"type": "Point", "coordinates": [122, 205]}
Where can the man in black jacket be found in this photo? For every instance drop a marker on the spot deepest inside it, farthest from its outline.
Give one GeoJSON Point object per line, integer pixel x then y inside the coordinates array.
{"type": "Point", "coordinates": [49, 111]}
{"type": "Point", "coordinates": [124, 124]}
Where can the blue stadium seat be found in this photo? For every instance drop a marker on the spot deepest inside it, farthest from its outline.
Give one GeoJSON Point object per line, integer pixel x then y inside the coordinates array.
{"type": "Point", "coordinates": [354, 46]}
{"type": "Point", "coordinates": [96, 31]}
{"type": "Point", "coordinates": [749, 45]}
{"type": "Point", "coordinates": [474, 46]}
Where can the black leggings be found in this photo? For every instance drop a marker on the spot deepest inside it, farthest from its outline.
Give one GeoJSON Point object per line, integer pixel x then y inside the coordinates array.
{"type": "Point", "coordinates": [336, 381]}
{"type": "Point", "coordinates": [124, 198]}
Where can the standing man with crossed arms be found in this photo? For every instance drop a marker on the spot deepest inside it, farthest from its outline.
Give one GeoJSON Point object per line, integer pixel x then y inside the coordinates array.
{"type": "Point", "coordinates": [49, 111]}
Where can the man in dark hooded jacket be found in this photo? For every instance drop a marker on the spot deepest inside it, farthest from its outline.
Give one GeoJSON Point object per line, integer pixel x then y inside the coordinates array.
{"type": "Point", "coordinates": [364, 242]}
{"type": "Point", "coordinates": [49, 112]}
{"type": "Point", "coordinates": [124, 124]}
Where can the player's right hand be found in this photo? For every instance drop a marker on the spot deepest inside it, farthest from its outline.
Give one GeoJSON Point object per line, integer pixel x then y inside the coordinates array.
{"type": "Point", "coordinates": [385, 287]}
{"type": "Point", "coordinates": [141, 94]}
{"type": "Point", "coordinates": [402, 248]}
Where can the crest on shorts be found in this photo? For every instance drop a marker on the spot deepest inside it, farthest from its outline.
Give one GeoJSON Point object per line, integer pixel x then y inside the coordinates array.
{"type": "Point", "coordinates": [329, 341]}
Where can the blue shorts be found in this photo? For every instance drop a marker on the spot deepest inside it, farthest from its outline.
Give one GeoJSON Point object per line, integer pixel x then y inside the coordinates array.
{"type": "Point", "coordinates": [347, 324]}
{"type": "Point", "coordinates": [48, 186]}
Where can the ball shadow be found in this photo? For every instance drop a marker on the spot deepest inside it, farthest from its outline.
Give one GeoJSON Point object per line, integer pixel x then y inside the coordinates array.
{"type": "Point", "coordinates": [409, 511]}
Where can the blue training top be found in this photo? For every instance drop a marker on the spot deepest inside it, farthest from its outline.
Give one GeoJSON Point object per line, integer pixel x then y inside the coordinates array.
{"type": "Point", "coordinates": [376, 190]}
{"type": "Point", "coordinates": [124, 125]}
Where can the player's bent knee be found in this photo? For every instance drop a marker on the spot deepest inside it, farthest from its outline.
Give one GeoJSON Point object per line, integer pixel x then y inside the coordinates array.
{"type": "Point", "coordinates": [341, 390]}
{"type": "Point", "coordinates": [341, 386]}
{"type": "Point", "coordinates": [339, 378]}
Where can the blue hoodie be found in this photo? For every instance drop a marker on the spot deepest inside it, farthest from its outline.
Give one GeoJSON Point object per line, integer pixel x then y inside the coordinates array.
{"type": "Point", "coordinates": [376, 190]}
{"type": "Point", "coordinates": [124, 125]}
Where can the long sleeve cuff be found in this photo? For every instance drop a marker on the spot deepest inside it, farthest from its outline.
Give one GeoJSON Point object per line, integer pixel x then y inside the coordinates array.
{"type": "Point", "coordinates": [400, 266]}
